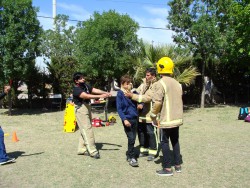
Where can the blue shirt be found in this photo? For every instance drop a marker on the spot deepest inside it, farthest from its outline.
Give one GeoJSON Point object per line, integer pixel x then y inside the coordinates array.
{"type": "Point", "coordinates": [126, 108]}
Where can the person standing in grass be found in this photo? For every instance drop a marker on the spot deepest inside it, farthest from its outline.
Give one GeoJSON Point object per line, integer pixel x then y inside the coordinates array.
{"type": "Point", "coordinates": [82, 93]}
{"type": "Point", "coordinates": [127, 110]}
{"type": "Point", "coordinates": [167, 101]}
{"type": "Point", "coordinates": [147, 133]}
{"type": "Point", "coordinates": [4, 158]}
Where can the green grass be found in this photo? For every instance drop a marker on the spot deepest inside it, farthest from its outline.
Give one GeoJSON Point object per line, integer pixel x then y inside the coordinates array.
{"type": "Point", "coordinates": [214, 147]}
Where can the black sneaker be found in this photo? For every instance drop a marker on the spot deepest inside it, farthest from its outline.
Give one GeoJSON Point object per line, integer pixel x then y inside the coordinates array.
{"type": "Point", "coordinates": [133, 163]}
{"type": "Point", "coordinates": [151, 157]}
{"type": "Point", "coordinates": [143, 155]}
{"type": "Point", "coordinates": [96, 156]}
{"type": "Point", "coordinates": [164, 172]}
{"type": "Point", "coordinates": [178, 169]}
{"type": "Point", "coordinates": [10, 160]}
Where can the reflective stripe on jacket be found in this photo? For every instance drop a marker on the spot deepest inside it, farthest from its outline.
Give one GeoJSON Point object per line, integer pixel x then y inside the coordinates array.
{"type": "Point", "coordinates": [144, 96]}
{"type": "Point", "coordinates": [167, 100]}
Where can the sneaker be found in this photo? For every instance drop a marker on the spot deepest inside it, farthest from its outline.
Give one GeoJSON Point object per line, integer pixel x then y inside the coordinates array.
{"type": "Point", "coordinates": [10, 160]}
{"type": "Point", "coordinates": [96, 156]}
{"type": "Point", "coordinates": [164, 172]}
{"type": "Point", "coordinates": [128, 159]}
{"type": "Point", "coordinates": [178, 169]}
{"type": "Point", "coordinates": [143, 155]}
{"type": "Point", "coordinates": [151, 157]}
{"type": "Point", "coordinates": [133, 163]}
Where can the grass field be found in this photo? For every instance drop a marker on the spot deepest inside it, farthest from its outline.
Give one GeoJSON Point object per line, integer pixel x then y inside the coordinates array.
{"type": "Point", "coordinates": [214, 147]}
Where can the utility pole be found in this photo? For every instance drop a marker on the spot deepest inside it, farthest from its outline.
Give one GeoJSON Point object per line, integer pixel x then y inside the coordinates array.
{"type": "Point", "coordinates": [54, 14]}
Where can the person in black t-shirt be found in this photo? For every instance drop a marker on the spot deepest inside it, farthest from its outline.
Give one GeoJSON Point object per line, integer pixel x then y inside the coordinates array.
{"type": "Point", "coordinates": [82, 93]}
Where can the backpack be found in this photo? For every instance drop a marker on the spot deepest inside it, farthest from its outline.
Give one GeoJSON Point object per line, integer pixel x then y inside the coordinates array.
{"type": "Point", "coordinates": [247, 119]}
{"type": "Point", "coordinates": [243, 113]}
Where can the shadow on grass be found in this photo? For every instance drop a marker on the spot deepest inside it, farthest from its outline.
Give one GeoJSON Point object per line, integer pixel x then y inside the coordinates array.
{"type": "Point", "coordinates": [159, 159]}
{"type": "Point", "coordinates": [99, 146]}
{"type": "Point", "coordinates": [17, 154]}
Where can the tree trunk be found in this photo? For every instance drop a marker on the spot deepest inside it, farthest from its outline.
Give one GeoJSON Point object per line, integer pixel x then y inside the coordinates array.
{"type": "Point", "coordinates": [10, 103]}
{"type": "Point", "coordinates": [203, 84]}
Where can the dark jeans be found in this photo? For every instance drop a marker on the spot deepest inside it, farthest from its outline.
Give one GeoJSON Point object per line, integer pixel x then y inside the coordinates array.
{"type": "Point", "coordinates": [173, 134]}
{"type": "Point", "coordinates": [3, 155]}
{"type": "Point", "coordinates": [147, 136]}
{"type": "Point", "coordinates": [131, 135]}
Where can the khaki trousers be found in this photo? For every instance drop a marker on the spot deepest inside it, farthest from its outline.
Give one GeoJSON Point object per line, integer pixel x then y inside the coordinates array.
{"type": "Point", "coordinates": [87, 138]}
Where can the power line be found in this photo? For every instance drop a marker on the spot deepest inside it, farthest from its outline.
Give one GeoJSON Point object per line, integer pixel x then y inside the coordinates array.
{"type": "Point", "coordinates": [143, 27]}
{"type": "Point", "coordinates": [132, 2]}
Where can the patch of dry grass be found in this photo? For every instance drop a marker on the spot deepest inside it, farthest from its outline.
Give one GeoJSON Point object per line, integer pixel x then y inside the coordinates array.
{"type": "Point", "coordinates": [214, 147]}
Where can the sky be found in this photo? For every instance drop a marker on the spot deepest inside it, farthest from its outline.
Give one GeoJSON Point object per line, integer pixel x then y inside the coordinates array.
{"type": "Point", "coordinates": [147, 13]}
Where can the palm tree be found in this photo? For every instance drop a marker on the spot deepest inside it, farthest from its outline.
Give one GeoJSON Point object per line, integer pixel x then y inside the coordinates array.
{"type": "Point", "coordinates": [184, 72]}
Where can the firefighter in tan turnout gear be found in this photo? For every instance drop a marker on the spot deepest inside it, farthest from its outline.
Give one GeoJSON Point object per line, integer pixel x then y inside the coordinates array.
{"type": "Point", "coordinates": [167, 102]}
{"type": "Point", "coordinates": [147, 133]}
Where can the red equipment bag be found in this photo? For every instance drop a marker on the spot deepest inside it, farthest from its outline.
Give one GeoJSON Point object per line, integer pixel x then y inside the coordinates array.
{"type": "Point", "coordinates": [96, 122]}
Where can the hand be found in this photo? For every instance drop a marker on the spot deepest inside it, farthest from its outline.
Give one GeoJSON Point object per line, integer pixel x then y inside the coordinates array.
{"type": "Point", "coordinates": [104, 95]}
{"type": "Point", "coordinates": [109, 94]}
{"type": "Point", "coordinates": [155, 123]}
{"type": "Point", "coordinates": [139, 106]}
{"type": "Point", "coordinates": [128, 94]}
{"type": "Point", "coordinates": [6, 89]}
{"type": "Point", "coordinates": [127, 123]}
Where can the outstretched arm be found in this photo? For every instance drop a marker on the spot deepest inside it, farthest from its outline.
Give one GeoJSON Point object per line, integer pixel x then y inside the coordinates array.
{"type": "Point", "coordinates": [98, 91]}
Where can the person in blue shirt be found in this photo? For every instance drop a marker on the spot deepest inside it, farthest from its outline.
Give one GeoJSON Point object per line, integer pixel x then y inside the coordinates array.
{"type": "Point", "coordinates": [127, 110]}
{"type": "Point", "coordinates": [4, 158]}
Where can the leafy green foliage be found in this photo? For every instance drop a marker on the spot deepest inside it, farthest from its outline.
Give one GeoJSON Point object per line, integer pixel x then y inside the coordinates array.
{"type": "Point", "coordinates": [182, 58]}
{"type": "Point", "coordinates": [59, 47]}
{"type": "Point", "coordinates": [61, 70]}
{"type": "Point", "coordinates": [19, 42]}
{"type": "Point", "coordinates": [107, 44]}
{"type": "Point", "coordinates": [214, 30]}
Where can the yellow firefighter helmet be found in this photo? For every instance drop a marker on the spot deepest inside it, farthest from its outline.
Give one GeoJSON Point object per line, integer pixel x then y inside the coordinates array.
{"type": "Point", "coordinates": [165, 66]}
{"type": "Point", "coordinates": [111, 119]}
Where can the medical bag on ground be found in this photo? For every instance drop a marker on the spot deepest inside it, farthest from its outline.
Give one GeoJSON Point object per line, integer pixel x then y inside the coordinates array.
{"type": "Point", "coordinates": [96, 122]}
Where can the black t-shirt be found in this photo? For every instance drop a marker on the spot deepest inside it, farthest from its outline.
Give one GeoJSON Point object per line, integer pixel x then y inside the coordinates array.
{"type": "Point", "coordinates": [77, 90]}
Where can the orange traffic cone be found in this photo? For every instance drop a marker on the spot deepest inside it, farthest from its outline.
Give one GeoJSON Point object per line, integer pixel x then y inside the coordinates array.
{"type": "Point", "coordinates": [14, 137]}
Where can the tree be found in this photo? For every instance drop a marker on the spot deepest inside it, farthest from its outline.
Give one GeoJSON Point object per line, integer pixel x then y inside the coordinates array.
{"type": "Point", "coordinates": [61, 70]}
{"type": "Point", "coordinates": [35, 80]}
{"type": "Point", "coordinates": [19, 41]}
{"type": "Point", "coordinates": [197, 26]}
{"type": "Point", "coordinates": [216, 32]}
{"type": "Point", "coordinates": [106, 45]}
{"type": "Point", "coordinates": [184, 72]}
{"type": "Point", "coordinates": [58, 46]}
{"type": "Point", "coordinates": [240, 12]}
